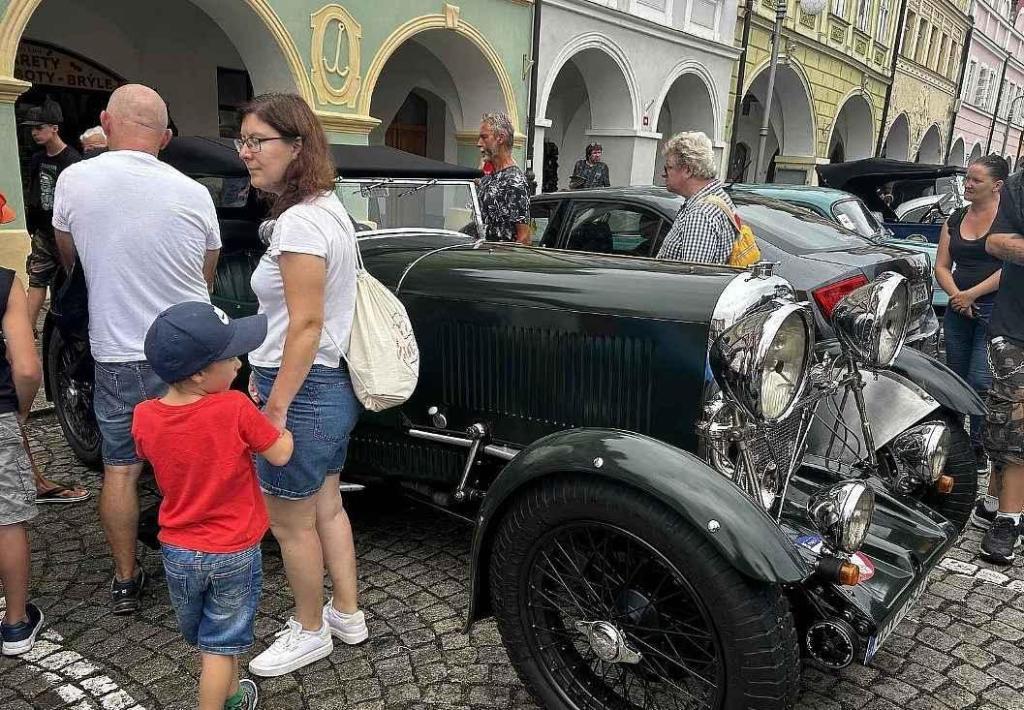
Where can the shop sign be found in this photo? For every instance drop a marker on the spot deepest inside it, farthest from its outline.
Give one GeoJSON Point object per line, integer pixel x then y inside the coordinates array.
{"type": "Point", "coordinates": [48, 66]}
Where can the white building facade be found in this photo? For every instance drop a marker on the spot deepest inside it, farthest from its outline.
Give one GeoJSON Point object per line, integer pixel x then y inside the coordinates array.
{"type": "Point", "coordinates": [629, 74]}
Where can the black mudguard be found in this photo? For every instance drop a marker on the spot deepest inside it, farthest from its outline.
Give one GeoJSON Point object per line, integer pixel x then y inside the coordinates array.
{"type": "Point", "coordinates": [747, 537]}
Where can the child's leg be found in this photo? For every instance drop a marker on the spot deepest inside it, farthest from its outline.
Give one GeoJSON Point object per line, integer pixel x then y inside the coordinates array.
{"type": "Point", "coordinates": [14, 570]}
{"type": "Point", "coordinates": [218, 680]}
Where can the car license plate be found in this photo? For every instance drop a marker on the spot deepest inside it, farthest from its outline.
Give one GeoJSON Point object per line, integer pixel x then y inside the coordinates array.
{"type": "Point", "coordinates": [876, 641]}
{"type": "Point", "coordinates": [919, 292]}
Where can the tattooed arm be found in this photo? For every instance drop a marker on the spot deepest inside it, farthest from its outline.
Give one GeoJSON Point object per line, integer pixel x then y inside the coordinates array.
{"type": "Point", "coordinates": [1008, 247]}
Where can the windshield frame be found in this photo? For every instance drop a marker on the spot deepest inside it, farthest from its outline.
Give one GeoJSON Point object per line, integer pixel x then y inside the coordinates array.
{"type": "Point", "coordinates": [417, 183]}
{"type": "Point", "coordinates": [877, 234]}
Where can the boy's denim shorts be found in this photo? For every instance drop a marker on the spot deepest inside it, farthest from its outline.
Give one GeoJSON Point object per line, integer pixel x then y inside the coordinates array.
{"type": "Point", "coordinates": [119, 387]}
{"type": "Point", "coordinates": [321, 417]}
{"type": "Point", "coordinates": [17, 487]}
{"type": "Point", "coordinates": [215, 596]}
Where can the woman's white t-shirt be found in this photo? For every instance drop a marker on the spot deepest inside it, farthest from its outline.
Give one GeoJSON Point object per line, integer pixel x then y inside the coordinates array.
{"type": "Point", "coordinates": [319, 226]}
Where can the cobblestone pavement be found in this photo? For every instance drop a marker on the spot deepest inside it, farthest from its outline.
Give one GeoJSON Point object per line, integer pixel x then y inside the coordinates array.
{"type": "Point", "coordinates": [960, 648]}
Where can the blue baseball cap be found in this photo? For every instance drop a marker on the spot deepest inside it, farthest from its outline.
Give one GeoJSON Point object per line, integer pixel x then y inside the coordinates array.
{"type": "Point", "coordinates": [189, 336]}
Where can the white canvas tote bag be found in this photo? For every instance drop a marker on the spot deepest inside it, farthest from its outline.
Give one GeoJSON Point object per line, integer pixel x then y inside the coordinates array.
{"type": "Point", "coordinates": [383, 357]}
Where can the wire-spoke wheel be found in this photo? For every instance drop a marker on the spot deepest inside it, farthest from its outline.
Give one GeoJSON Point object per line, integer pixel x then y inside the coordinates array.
{"type": "Point", "coordinates": [607, 599]}
{"type": "Point", "coordinates": [71, 378]}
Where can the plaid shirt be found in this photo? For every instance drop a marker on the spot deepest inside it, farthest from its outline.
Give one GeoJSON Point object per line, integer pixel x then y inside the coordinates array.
{"type": "Point", "coordinates": [702, 232]}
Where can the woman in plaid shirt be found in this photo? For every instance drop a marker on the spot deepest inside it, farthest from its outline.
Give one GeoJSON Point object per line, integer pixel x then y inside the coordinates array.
{"type": "Point", "coordinates": [702, 232]}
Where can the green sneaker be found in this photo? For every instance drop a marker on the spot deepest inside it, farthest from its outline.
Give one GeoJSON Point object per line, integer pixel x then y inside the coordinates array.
{"type": "Point", "coordinates": [247, 697]}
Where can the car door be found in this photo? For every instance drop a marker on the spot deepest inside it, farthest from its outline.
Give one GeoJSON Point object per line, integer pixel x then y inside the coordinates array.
{"type": "Point", "coordinates": [612, 227]}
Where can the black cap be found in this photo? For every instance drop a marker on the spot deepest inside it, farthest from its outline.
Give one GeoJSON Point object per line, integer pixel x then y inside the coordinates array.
{"type": "Point", "coordinates": [49, 114]}
{"type": "Point", "coordinates": [188, 337]}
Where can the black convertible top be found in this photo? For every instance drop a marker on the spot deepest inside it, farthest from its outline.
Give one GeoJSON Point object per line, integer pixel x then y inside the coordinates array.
{"type": "Point", "coordinates": [876, 171]}
{"type": "Point", "coordinates": [200, 156]}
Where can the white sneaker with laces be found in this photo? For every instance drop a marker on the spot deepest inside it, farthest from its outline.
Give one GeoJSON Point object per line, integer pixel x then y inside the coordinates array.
{"type": "Point", "coordinates": [294, 648]}
{"type": "Point", "coordinates": [349, 628]}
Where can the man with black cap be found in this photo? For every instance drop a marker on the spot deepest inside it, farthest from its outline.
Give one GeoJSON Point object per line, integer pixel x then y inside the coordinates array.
{"type": "Point", "coordinates": [44, 168]}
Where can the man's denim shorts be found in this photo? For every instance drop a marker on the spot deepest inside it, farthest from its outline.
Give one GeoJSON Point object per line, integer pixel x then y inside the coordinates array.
{"type": "Point", "coordinates": [321, 417]}
{"type": "Point", "coordinates": [119, 387]}
{"type": "Point", "coordinates": [215, 596]}
{"type": "Point", "coordinates": [17, 487]}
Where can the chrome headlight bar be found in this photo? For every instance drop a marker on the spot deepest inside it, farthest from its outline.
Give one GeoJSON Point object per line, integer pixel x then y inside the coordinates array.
{"type": "Point", "coordinates": [873, 320]}
{"type": "Point", "coordinates": [763, 361]}
{"type": "Point", "coordinates": [842, 514]}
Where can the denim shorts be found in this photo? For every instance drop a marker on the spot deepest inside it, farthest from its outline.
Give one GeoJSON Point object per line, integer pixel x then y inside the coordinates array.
{"type": "Point", "coordinates": [215, 596]}
{"type": "Point", "coordinates": [119, 387]}
{"type": "Point", "coordinates": [321, 417]}
{"type": "Point", "coordinates": [17, 487]}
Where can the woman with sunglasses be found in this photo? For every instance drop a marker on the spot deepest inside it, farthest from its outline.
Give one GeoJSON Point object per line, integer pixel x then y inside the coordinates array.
{"type": "Point", "coordinates": [299, 374]}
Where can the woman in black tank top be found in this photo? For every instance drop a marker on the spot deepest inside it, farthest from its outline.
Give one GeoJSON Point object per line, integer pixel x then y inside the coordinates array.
{"type": "Point", "coordinates": [971, 276]}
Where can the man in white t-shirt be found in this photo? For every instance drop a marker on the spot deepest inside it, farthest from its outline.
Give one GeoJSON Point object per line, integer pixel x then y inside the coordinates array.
{"type": "Point", "coordinates": [147, 238]}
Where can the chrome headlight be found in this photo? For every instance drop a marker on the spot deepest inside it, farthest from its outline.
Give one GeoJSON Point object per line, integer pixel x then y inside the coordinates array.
{"type": "Point", "coordinates": [842, 514]}
{"type": "Point", "coordinates": [922, 451]}
{"type": "Point", "coordinates": [873, 319]}
{"type": "Point", "coordinates": [762, 362]}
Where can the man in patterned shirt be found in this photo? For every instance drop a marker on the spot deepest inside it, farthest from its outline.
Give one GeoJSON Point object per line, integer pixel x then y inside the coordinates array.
{"type": "Point", "coordinates": [703, 231]}
{"type": "Point", "coordinates": [591, 172]}
{"type": "Point", "coordinates": [504, 194]}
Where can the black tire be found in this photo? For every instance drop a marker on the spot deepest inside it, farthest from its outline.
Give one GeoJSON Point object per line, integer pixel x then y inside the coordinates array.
{"type": "Point", "coordinates": [70, 374]}
{"type": "Point", "coordinates": [956, 506]}
{"type": "Point", "coordinates": [738, 631]}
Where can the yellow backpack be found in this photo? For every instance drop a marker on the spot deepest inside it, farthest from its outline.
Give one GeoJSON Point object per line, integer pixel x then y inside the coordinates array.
{"type": "Point", "coordinates": [745, 251]}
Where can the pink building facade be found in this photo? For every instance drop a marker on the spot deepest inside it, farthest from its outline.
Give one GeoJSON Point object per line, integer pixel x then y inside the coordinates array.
{"type": "Point", "coordinates": [982, 128]}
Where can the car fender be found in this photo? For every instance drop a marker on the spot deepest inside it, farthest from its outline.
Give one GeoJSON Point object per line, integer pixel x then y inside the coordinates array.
{"type": "Point", "coordinates": [743, 534]}
{"type": "Point", "coordinates": [939, 381]}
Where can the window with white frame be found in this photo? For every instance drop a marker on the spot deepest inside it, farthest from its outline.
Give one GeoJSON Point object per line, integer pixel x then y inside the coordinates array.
{"type": "Point", "coordinates": [920, 50]}
{"type": "Point", "coordinates": [882, 33]}
{"type": "Point", "coordinates": [972, 69]}
{"type": "Point", "coordinates": [703, 17]}
{"type": "Point", "coordinates": [656, 10]}
{"type": "Point", "coordinates": [981, 90]}
{"type": "Point", "coordinates": [839, 8]}
{"type": "Point", "coordinates": [863, 15]}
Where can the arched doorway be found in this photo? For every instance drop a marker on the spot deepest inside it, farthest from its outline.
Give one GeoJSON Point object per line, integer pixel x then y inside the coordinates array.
{"type": "Point", "coordinates": [957, 153]}
{"type": "Point", "coordinates": [688, 105]}
{"type": "Point", "coordinates": [897, 140]}
{"type": "Point", "coordinates": [930, 148]}
{"type": "Point", "coordinates": [975, 153]}
{"type": "Point", "coordinates": [853, 131]}
{"type": "Point", "coordinates": [790, 126]}
{"type": "Point", "coordinates": [430, 95]}
{"type": "Point", "coordinates": [591, 92]}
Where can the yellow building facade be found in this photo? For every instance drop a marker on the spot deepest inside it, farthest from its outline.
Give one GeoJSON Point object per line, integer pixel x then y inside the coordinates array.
{"type": "Point", "coordinates": [830, 88]}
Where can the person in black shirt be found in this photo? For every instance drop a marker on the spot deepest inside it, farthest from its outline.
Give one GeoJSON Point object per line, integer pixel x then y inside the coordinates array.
{"type": "Point", "coordinates": [45, 167]}
{"type": "Point", "coordinates": [504, 194]}
{"type": "Point", "coordinates": [1004, 430]}
{"type": "Point", "coordinates": [970, 276]}
{"type": "Point", "coordinates": [590, 172]}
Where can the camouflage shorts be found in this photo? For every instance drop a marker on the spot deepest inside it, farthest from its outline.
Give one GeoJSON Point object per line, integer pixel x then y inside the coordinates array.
{"type": "Point", "coordinates": [1004, 430]}
{"type": "Point", "coordinates": [41, 264]}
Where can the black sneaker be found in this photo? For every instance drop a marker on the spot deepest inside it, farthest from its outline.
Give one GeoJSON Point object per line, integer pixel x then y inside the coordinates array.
{"type": "Point", "coordinates": [19, 638]}
{"type": "Point", "coordinates": [983, 514]}
{"type": "Point", "coordinates": [127, 596]}
{"type": "Point", "coordinates": [1000, 541]}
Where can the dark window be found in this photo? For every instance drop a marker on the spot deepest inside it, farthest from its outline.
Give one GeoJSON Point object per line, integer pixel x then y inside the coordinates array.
{"type": "Point", "coordinates": [793, 229]}
{"type": "Point", "coordinates": [234, 90]}
{"type": "Point", "coordinates": [544, 223]}
{"type": "Point", "coordinates": [614, 228]}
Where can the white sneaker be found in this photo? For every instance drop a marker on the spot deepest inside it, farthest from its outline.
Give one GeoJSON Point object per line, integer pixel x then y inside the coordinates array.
{"type": "Point", "coordinates": [349, 628]}
{"type": "Point", "coordinates": [293, 649]}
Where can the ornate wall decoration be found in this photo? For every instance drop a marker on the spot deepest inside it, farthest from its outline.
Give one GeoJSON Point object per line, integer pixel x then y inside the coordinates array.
{"type": "Point", "coordinates": [837, 32]}
{"type": "Point", "coordinates": [451, 16]}
{"type": "Point", "coordinates": [335, 55]}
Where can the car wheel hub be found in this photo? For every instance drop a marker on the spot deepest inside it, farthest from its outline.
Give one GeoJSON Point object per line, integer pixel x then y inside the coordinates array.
{"type": "Point", "coordinates": [607, 642]}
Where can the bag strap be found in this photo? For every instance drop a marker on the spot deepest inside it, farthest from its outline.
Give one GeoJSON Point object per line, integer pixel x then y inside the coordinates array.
{"type": "Point", "coordinates": [724, 206]}
{"type": "Point", "coordinates": [359, 255]}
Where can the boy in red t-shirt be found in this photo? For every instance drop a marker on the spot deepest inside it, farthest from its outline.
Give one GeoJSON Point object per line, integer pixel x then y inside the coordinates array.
{"type": "Point", "coordinates": [200, 438]}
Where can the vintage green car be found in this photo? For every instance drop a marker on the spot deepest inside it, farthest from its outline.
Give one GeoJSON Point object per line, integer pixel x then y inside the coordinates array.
{"type": "Point", "coordinates": [675, 492]}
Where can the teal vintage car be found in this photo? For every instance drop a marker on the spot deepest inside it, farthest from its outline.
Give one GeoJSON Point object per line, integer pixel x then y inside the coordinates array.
{"type": "Point", "coordinates": [850, 212]}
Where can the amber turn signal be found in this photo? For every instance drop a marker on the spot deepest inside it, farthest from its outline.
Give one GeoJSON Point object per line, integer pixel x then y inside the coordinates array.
{"type": "Point", "coordinates": [944, 484]}
{"type": "Point", "coordinates": [849, 574]}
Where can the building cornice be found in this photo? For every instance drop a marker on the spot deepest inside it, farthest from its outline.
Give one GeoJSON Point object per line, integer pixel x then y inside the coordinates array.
{"type": "Point", "coordinates": [347, 122]}
{"type": "Point", "coordinates": [629, 21]}
{"type": "Point", "coordinates": [11, 89]}
{"type": "Point", "coordinates": [925, 75]}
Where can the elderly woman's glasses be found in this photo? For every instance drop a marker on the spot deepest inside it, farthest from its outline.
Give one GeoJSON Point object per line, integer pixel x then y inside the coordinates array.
{"type": "Point", "coordinates": [255, 145]}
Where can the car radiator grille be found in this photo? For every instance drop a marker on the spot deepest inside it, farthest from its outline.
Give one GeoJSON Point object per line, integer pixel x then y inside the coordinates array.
{"type": "Point", "coordinates": [773, 447]}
